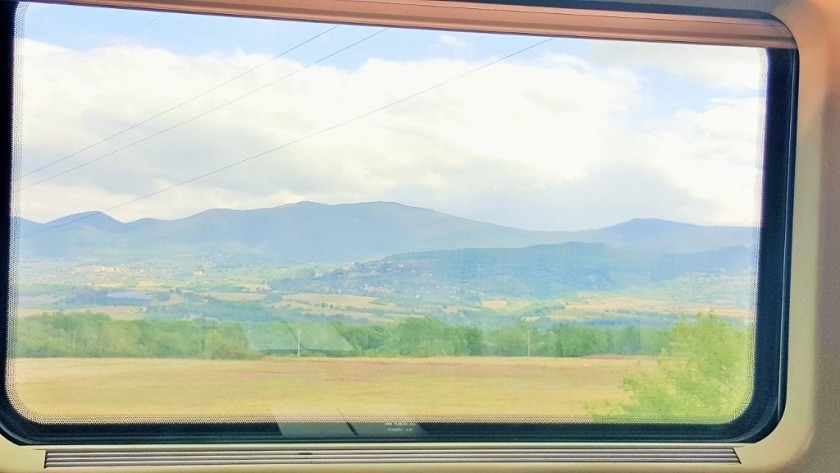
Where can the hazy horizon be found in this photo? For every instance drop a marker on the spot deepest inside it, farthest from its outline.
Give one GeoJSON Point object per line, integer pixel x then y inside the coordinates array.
{"type": "Point", "coordinates": [366, 203]}
{"type": "Point", "coordinates": [130, 113]}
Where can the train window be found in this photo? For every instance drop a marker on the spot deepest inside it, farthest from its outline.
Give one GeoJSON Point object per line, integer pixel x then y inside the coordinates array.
{"type": "Point", "coordinates": [274, 230]}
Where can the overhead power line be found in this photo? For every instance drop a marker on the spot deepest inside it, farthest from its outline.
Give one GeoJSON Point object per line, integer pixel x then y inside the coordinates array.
{"type": "Point", "coordinates": [295, 141]}
{"type": "Point", "coordinates": [196, 117]}
{"type": "Point", "coordinates": [164, 112]}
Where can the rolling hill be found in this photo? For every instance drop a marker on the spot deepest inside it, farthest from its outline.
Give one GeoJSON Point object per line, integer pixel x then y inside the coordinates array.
{"type": "Point", "coordinates": [541, 271]}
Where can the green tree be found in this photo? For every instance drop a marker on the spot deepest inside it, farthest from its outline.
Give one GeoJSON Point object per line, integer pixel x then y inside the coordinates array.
{"type": "Point", "coordinates": [704, 376]}
{"type": "Point", "coordinates": [509, 341]}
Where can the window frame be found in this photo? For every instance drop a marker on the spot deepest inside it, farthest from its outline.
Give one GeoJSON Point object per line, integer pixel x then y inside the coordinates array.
{"type": "Point", "coordinates": [757, 421]}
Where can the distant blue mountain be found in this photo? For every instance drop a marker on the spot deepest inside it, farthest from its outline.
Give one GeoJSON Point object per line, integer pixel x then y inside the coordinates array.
{"type": "Point", "coordinates": [312, 233]}
{"type": "Point", "coordinates": [663, 235]}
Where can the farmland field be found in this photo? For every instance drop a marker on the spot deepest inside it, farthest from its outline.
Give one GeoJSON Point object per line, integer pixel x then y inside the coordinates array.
{"type": "Point", "coordinates": [291, 388]}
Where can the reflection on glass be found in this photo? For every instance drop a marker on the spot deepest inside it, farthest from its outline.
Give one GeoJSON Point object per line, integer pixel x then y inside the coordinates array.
{"type": "Point", "coordinates": [297, 221]}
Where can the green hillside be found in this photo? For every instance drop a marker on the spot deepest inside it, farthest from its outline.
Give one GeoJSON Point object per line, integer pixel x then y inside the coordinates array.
{"type": "Point", "coordinates": [542, 271]}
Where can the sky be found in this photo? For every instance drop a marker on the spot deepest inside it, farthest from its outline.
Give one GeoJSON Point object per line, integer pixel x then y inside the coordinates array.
{"type": "Point", "coordinates": [142, 114]}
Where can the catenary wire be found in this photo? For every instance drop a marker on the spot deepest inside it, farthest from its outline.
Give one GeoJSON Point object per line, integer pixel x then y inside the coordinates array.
{"type": "Point", "coordinates": [207, 112]}
{"type": "Point", "coordinates": [179, 105]}
{"type": "Point", "coordinates": [295, 141]}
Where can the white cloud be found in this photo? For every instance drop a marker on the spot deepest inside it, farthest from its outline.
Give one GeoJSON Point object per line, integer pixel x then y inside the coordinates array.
{"type": "Point", "coordinates": [713, 154]}
{"type": "Point", "coordinates": [725, 67]}
{"type": "Point", "coordinates": [548, 143]}
{"type": "Point", "coordinates": [451, 42]}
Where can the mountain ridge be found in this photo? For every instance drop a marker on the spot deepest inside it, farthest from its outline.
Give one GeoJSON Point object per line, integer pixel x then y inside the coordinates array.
{"type": "Point", "coordinates": [315, 233]}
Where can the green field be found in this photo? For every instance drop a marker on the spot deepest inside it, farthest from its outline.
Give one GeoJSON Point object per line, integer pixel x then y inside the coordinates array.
{"type": "Point", "coordinates": [294, 389]}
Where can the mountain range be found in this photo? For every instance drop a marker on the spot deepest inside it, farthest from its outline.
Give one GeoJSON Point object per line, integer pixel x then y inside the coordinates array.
{"type": "Point", "coordinates": [313, 233]}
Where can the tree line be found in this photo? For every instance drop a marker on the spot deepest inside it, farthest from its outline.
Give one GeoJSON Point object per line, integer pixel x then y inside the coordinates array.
{"type": "Point", "coordinates": [427, 336]}
{"type": "Point", "coordinates": [98, 335]}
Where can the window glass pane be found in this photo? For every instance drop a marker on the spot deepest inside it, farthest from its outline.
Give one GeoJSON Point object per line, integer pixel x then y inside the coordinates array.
{"type": "Point", "coordinates": [226, 219]}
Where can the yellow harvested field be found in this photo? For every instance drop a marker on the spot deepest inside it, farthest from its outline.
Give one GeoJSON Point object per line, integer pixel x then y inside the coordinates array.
{"type": "Point", "coordinates": [39, 299]}
{"type": "Point", "coordinates": [116, 312]}
{"type": "Point", "coordinates": [234, 296]}
{"type": "Point", "coordinates": [737, 312]}
{"type": "Point", "coordinates": [26, 311]}
{"type": "Point", "coordinates": [505, 304]}
{"type": "Point", "coordinates": [256, 287]}
{"type": "Point", "coordinates": [495, 304]}
{"type": "Point", "coordinates": [151, 286]}
{"type": "Point", "coordinates": [296, 389]}
{"type": "Point", "coordinates": [340, 312]}
{"type": "Point", "coordinates": [342, 300]}
{"type": "Point", "coordinates": [600, 303]}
